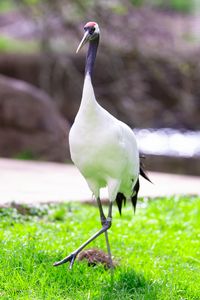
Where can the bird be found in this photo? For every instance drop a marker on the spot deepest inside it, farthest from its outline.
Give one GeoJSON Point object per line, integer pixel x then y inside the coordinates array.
{"type": "Point", "coordinates": [103, 148]}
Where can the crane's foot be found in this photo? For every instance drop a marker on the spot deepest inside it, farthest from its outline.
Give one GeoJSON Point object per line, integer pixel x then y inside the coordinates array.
{"type": "Point", "coordinates": [71, 258]}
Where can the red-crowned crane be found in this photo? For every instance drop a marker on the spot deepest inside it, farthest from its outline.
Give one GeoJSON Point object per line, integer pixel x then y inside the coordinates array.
{"type": "Point", "coordinates": [103, 148]}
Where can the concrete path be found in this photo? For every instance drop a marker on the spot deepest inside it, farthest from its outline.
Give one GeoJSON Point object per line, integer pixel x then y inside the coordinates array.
{"type": "Point", "coordinates": [39, 182]}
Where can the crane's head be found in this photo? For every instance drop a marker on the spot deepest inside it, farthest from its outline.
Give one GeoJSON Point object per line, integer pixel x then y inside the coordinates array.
{"type": "Point", "coordinates": [91, 33]}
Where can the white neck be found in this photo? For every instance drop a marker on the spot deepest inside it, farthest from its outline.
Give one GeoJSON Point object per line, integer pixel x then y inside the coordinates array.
{"type": "Point", "coordinates": [88, 101]}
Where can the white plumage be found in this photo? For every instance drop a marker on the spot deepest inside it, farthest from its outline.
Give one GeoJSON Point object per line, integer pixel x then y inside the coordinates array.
{"type": "Point", "coordinates": [103, 148]}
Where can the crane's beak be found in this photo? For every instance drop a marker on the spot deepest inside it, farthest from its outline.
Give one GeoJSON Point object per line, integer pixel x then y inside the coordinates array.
{"type": "Point", "coordinates": [84, 40]}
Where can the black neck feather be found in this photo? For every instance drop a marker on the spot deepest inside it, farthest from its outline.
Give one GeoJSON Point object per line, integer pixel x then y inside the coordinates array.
{"type": "Point", "coordinates": [91, 55]}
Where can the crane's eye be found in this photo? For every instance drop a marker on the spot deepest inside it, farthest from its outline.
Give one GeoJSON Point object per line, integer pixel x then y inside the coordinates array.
{"type": "Point", "coordinates": [91, 31]}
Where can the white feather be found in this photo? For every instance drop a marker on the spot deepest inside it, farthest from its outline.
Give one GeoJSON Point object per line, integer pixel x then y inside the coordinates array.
{"type": "Point", "coordinates": [103, 148]}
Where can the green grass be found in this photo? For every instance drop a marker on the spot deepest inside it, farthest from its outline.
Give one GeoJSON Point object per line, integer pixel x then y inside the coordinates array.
{"type": "Point", "coordinates": [158, 250]}
{"type": "Point", "coordinates": [26, 155]}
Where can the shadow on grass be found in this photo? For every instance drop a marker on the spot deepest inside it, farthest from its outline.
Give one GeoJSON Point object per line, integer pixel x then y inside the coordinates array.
{"type": "Point", "coordinates": [127, 284]}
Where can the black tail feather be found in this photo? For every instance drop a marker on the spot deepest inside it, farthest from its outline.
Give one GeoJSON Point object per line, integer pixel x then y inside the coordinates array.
{"type": "Point", "coordinates": [135, 194]}
{"type": "Point", "coordinates": [119, 200]}
{"type": "Point", "coordinates": [143, 174]}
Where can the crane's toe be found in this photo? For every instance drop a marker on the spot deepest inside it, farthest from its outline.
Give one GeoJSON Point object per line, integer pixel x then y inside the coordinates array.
{"type": "Point", "coordinates": [71, 258]}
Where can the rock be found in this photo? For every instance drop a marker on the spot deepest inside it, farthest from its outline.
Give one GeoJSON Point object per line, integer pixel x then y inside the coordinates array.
{"type": "Point", "coordinates": [30, 123]}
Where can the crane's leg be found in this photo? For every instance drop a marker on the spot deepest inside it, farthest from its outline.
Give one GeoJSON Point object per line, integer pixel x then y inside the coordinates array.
{"type": "Point", "coordinates": [103, 221]}
{"type": "Point", "coordinates": [106, 236]}
{"type": "Point", "coordinates": [106, 224]}
{"type": "Point", "coordinates": [102, 216]}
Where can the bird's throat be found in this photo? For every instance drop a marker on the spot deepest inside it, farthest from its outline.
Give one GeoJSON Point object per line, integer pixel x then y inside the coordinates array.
{"type": "Point", "coordinates": [91, 56]}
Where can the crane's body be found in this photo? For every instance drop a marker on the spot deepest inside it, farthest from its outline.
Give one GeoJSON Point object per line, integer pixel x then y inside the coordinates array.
{"type": "Point", "coordinates": [103, 148]}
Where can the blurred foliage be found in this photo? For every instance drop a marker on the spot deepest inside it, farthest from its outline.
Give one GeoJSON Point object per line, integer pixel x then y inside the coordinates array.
{"type": "Point", "coordinates": [70, 12]}
{"type": "Point", "coordinates": [176, 5]}
{"type": "Point", "coordinates": [6, 5]}
{"type": "Point", "coordinates": [26, 155]}
{"type": "Point", "coordinates": [11, 45]}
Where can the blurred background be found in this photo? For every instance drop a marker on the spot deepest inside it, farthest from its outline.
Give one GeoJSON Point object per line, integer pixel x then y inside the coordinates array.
{"type": "Point", "coordinates": [147, 74]}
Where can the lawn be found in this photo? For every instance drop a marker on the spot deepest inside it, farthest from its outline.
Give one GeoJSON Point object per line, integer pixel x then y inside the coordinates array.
{"type": "Point", "coordinates": [157, 249]}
